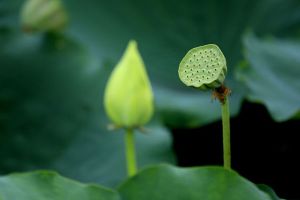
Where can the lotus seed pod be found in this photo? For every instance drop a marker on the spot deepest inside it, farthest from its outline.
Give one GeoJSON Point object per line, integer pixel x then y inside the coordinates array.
{"type": "Point", "coordinates": [128, 97]}
{"type": "Point", "coordinates": [203, 67]}
{"type": "Point", "coordinates": [43, 15]}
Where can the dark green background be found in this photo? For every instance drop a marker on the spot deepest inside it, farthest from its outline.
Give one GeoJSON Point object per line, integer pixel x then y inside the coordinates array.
{"type": "Point", "coordinates": [51, 86]}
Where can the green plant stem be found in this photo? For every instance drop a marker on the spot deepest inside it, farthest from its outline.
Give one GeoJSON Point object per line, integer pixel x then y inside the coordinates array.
{"type": "Point", "coordinates": [226, 133]}
{"type": "Point", "coordinates": [130, 152]}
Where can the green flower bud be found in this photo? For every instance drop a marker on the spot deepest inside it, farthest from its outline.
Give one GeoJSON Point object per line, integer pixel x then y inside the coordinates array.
{"type": "Point", "coordinates": [203, 67]}
{"type": "Point", "coordinates": [43, 15]}
{"type": "Point", "coordinates": [128, 97]}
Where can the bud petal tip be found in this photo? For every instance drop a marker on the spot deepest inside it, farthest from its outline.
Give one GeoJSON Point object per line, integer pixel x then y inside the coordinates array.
{"type": "Point", "coordinates": [43, 16]}
{"type": "Point", "coordinates": [128, 97]}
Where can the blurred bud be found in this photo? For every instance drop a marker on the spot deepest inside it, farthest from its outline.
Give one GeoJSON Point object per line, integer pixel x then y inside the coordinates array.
{"type": "Point", "coordinates": [203, 67]}
{"type": "Point", "coordinates": [128, 97]}
{"type": "Point", "coordinates": [43, 15]}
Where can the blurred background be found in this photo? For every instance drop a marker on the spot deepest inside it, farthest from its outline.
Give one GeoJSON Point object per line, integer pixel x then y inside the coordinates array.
{"type": "Point", "coordinates": [51, 88]}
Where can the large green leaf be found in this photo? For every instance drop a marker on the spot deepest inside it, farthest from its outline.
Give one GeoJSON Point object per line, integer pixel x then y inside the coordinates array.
{"type": "Point", "coordinates": [45, 185]}
{"type": "Point", "coordinates": [171, 183]}
{"type": "Point", "coordinates": [165, 30]}
{"type": "Point", "coordinates": [272, 76]}
{"type": "Point", "coordinates": [51, 113]}
{"type": "Point", "coordinates": [269, 191]}
{"type": "Point", "coordinates": [155, 183]}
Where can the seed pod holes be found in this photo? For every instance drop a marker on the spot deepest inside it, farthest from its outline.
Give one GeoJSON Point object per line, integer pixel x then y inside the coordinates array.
{"type": "Point", "coordinates": [210, 70]}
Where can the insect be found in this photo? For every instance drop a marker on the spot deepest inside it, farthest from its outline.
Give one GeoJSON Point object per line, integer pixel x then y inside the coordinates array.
{"type": "Point", "coordinates": [221, 93]}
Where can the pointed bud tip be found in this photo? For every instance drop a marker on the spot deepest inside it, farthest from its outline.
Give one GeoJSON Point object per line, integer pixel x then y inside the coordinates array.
{"type": "Point", "coordinates": [132, 44]}
{"type": "Point", "coordinates": [128, 97]}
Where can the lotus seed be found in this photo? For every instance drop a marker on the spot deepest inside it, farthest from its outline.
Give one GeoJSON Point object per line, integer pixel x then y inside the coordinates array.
{"type": "Point", "coordinates": [207, 63]}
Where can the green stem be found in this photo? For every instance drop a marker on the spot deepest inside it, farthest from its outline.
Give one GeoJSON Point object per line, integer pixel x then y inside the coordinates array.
{"type": "Point", "coordinates": [226, 133]}
{"type": "Point", "coordinates": [130, 152]}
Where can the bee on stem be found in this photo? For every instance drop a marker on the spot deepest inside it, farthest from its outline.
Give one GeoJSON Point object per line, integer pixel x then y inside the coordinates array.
{"type": "Point", "coordinates": [221, 93]}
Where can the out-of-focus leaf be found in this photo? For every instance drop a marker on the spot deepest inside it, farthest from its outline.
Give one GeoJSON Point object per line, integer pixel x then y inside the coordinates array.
{"type": "Point", "coordinates": [103, 157]}
{"type": "Point", "coordinates": [51, 113]}
{"type": "Point", "coordinates": [165, 30]}
{"type": "Point", "coordinates": [171, 183]}
{"type": "Point", "coordinates": [297, 116]}
{"type": "Point", "coordinates": [47, 185]}
{"type": "Point", "coordinates": [272, 76]}
{"type": "Point", "coordinates": [8, 14]}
